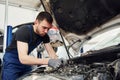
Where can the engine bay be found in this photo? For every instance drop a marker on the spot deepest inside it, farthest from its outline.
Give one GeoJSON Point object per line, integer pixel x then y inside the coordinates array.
{"type": "Point", "coordinates": [94, 66]}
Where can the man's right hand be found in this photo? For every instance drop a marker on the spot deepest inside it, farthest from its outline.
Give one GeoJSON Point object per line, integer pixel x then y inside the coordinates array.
{"type": "Point", "coordinates": [54, 63]}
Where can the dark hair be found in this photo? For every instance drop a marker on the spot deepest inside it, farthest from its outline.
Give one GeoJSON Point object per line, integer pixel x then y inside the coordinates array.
{"type": "Point", "coordinates": [45, 15]}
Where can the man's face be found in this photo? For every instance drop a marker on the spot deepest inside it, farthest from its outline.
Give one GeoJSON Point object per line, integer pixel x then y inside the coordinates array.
{"type": "Point", "coordinates": [42, 27]}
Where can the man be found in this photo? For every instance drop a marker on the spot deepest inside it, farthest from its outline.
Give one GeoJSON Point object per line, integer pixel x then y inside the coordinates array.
{"type": "Point", "coordinates": [16, 60]}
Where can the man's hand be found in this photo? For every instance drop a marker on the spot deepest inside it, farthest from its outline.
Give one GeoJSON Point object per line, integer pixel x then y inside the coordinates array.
{"type": "Point", "coordinates": [55, 63]}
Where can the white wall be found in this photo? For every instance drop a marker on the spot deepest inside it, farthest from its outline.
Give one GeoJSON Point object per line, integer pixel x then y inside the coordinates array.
{"type": "Point", "coordinates": [17, 15]}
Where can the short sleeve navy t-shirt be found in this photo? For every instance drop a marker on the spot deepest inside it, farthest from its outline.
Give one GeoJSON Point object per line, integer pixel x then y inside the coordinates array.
{"type": "Point", "coordinates": [24, 34]}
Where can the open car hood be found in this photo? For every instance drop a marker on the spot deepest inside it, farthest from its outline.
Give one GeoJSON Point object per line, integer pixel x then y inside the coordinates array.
{"type": "Point", "coordinates": [81, 20]}
{"type": "Point", "coordinates": [82, 16]}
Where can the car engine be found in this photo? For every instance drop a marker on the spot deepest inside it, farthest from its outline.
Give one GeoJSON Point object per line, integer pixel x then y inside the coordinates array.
{"type": "Point", "coordinates": [101, 64]}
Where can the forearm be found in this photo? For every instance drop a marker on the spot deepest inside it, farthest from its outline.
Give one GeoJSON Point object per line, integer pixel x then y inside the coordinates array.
{"type": "Point", "coordinates": [50, 51]}
{"type": "Point", "coordinates": [30, 60]}
{"type": "Point", "coordinates": [52, 55]}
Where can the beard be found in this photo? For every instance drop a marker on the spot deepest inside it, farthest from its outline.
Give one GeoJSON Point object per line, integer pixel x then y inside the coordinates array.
{"type": "Point", "coordinates": [40, 33]}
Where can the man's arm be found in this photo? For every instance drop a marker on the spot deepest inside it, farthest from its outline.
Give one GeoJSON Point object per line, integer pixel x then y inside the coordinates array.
{"type": "Point", "coordinates": [25, 58]}
{"type": "Point", "coordinates": [50, 51]}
